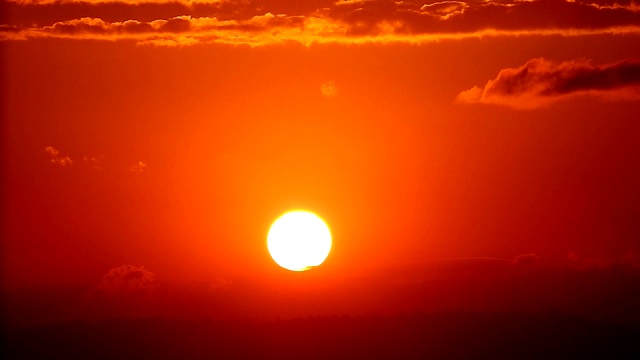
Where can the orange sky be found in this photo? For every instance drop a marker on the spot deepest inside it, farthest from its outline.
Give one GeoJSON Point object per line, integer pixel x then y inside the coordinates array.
{"type": "Point", "coordinates": [170, 134]}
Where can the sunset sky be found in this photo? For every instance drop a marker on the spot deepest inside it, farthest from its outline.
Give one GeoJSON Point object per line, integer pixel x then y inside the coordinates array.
{"type": "Point", "coordinates": [148, 145]}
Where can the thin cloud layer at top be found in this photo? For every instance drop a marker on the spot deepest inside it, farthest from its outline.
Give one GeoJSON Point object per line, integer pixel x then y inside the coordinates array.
{"type": "Point", "coordinates": [540, 82]}
{"type": "Point", "coordinates": [131, 2]}
{"type": "Point", "coordinates": [319, 21]}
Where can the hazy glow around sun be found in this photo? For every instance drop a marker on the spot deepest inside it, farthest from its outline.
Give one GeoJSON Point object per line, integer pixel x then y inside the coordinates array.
{"type": "Point", "coordinates": [299, 240]}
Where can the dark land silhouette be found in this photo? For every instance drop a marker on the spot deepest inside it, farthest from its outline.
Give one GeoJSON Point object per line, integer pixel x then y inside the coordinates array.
{"type": "Point", "coordinates": [455, 335]}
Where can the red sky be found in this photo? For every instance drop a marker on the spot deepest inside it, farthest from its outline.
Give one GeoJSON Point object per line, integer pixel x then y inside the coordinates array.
{"type": "Point", "coordinates": [168, 135]}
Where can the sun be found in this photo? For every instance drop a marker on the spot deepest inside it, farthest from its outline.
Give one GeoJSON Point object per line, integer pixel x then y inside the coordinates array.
{"type": "Point", "coordinates": [299, 240]}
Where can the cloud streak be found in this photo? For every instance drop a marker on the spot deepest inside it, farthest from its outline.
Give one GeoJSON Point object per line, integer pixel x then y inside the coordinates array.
{"type": "Point", "coordinates": [540, 82]}
{"type": "Point", "coordinates": [322, 21]}
{"type": "Point", "coordinates": [181, 30]}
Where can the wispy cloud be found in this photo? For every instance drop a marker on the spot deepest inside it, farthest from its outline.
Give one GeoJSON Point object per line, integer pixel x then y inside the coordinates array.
{"type": "Point", "coordinates": [322, 21]}
{"type": "Point", "coordinates": [329, 89]}
{"type": "Point", "coordinates": [56, 158]}
{"type": "Point", "coordinates": [444, 9]}
{"type": "Point", "coordinates": [139, 167]}
{"type": "Point", "coordinates": [93, 162]}
{"type": "Point", "coordinates": [540, 82]}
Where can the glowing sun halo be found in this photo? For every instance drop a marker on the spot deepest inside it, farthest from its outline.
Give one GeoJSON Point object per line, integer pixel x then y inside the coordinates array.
{"type": "Point", "coordinates": [299, 240]}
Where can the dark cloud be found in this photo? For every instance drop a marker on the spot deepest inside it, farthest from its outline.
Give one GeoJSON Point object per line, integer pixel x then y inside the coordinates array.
{"type": "Point", "coordinates": [526, 259]}
{"type": "Point", "coordinates": [270, 21]}
{"type": "Point", "coordinates": [9, 29]}
{"type": "Point", "coordinates": [482, 18]}
{"type": "Point", "coordinates": [124, 291]}
{"type": "Point", "coordinates": [540, 82]}
{"type": "Point", "coordinates": [125, 281]}
{"type": "Point", "coordinates": [629, 261]}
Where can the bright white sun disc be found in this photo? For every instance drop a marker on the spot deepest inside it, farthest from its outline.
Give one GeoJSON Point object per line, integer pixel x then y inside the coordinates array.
{"type": "Point", "coordinates": [299, 240]}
